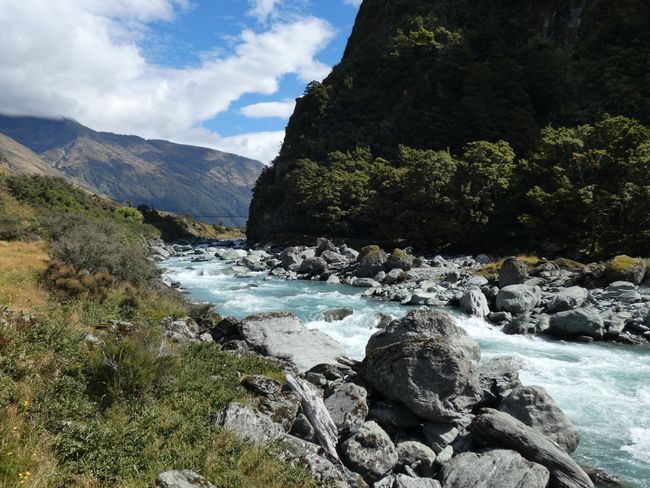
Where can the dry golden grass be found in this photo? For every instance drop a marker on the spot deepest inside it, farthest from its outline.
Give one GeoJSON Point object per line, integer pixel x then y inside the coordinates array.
{"type": "Point", "coordinates": [21, 263]}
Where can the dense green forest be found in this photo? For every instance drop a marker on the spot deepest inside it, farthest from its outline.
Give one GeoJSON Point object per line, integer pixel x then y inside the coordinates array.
{"type": "Point", "coordinates": [474, 126]}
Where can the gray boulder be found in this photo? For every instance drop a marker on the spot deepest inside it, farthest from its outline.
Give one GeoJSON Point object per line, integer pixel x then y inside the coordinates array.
{"type": "Point", "coordinates": [498, 377]}
{"type": "Point", "coordinates": [567, 299]}
{"type": "Point", "coordinates": [578, 322]}
{"type": "Point", "coordinates": [370, 452]}
{"type": "Point", "coordinates": [185, 331]}
{"type": "Point", "coordinates": [249, 425]}
{"type": "Point", "coordinates": [500, 429]}
{"type": "Point", "coordinates": [371, 261]}
{"type": "Point", "coordinates": [291, 258]}
{"type": "Point", "coordinates": [626, 268]}
{"type": "Point", "coordinates": [282, 335]}
{"type": "Point", "coordinates": [404, 481]}
{"type": "Point", "coordinates": [493, 468]}
{"type": "Point", "coordinates": [323, 245]}
{"type": "Point", "coordinates": [416, 456]}
{"type": "Point", "coordinates": [474, 303]}
{"type": "Point", "coordinates": [535, 408]}
{"type": "Point", "coordinates": [518, 299]}
{"type": "Point", "coordinates": [399, 259]}
{"type": "Point", "coordinates": [313, 266]}
{"type": "Point", "coordinates": [365, 283]}
{"type": "Point", "coordinates": [337, 314]}
{"type": "Point", "coordinates": [334, 260]}
{"type": "Point", "coordinates": [393, 416]}
{"type": "Point", "coordinates": [348, 407]}
{"type": "Point", "coordinates": [512, 272]}
{"type": "Point", "coordinates": [182, 479]}
{"type": "Point", "coordinates": [439, 436]}
{"type": "Point", "coordinates": [622, 291]}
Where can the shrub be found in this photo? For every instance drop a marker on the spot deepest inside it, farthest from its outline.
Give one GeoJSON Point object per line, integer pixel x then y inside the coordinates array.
{"type": "Point", "coordinates": [65, 279]}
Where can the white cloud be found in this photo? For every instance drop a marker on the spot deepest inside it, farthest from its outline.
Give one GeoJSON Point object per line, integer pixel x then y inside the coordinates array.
{"type": "Point", "coordinates": [262, 9]}
{"type": "Point", "coordinates": [87, 65]}
{"type": "Point", "coordinates": [354, 3]}
{"type": "Point", "coordinates": [263, 110]}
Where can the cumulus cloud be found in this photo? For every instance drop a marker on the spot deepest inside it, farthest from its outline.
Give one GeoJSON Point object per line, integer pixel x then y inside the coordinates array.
{"type": "Point", "coordinates": [262, 9]}
{"type": "Point", "coordinates": [80, 58]}
{"type": "Point", "coordinates": [354, 3]}
{"type": "Point", "coordinates": [262, 110]}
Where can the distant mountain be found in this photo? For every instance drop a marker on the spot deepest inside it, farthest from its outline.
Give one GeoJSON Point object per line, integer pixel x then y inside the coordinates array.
{"type": "Point", "coordinates": [211, 185]}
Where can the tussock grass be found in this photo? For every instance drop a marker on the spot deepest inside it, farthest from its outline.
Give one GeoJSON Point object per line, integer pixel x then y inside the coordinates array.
{"type": "Point", "coordinates": [21, 264]}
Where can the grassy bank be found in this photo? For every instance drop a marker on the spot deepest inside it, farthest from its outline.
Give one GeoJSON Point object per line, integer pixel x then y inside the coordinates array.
{"type": "Point", "coordinates": [81, 406]}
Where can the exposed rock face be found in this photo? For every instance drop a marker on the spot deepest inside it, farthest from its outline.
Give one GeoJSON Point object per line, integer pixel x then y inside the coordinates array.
{"type": "Point", "coordinates": [535, 408]}
{"type": "Point", "coordinates": [474, 303]}
{"type": "Point", "coordinates": [370, 452]}
{"type": "Point", "coordinates": [425, 362]}
{"type": "Point", "coordinates": [493, 468]}
{"type": "Point", "coordinates": [512, 272]}
{"type": "Point", "coordinates": [282, 335]}
{"type": "Point", "coordinates": [578, 322]}
{"type": "Point", "coordinates": [182, 479]}
{"type": "Point", "coordinates": [500, 429]}
{"type": "Point", "coordinates": [348, 407]}
{"type": "Point", "coordinates": [518, 299]}
{"type": "Point", "coordinates": [567, 299]}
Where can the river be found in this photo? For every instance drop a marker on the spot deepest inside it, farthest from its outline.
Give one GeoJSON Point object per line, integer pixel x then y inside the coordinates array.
{"type": "Point", "coordinates": [603, 388]}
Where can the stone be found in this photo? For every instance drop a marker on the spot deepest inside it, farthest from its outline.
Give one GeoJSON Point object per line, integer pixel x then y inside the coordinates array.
{"type": "Point", "coordinates": [282, 335]}
{"type": "Point", "coordinates": [185, 331]}
{"type": "Point", "coordinates": [417, 456]}
{"type": "Point", "coordinates": [182, 479]}
{"type": "Point", "coordinates": [399, 259]}
{"type": "Point", "coordinates": [313, 266]}
{"type": "Point", "coordinates": [500, 429]}
{"type": "Point", "coordinates": [348, 407]}
{"type": "Point", "coordinates": [370, 262]}
{"type": "Point", "coordinates": [231, 254]}
{"type": "Point", "coordinates": [303, 429]}
{"type": "Point", "coordinates": [439, 436]}
{"type": "Point", "coordinates": [281, 408]}
{"type": "Point", "coordinates": [474, 303]}
{"type": "Point", "coordinates": [625, 268]}
{"type": "Point", "coordinates": [365, 283]}
{"type": "Point", "coordinates": [333, 280]}
{"type": "Point", "coordinates": [337, 314]}
{"type": "Point", "coordinates": [534, 407]}
{"type": "Point", "coordinates": [323, 244]}
{"type": "Point", "coordinates": [622, 291]}
{"type": "Point", "coordinates": [370, 452]}
{"type": "Point", "coordinates": [483, 259]}
{"type": "Point", "coordinates": [405, 481]}
{"type": "Point", "coordinates": [261, 385]}
{"type": "Point", "coordinates": [394, 276]}
{"type": "Point", "coordinates": [518, 299]}
{"type": "Point", "coordinates": [522, 324]}
{"type": "Point", "coordinates": [567, 299]}
{"type": "Point", "coordinates": [291, 258]}
{"type": "Point", "coordinates": [585, 321]}
{"type": "Point", "coordinates": [498, 317]}
{"type": "Point", "coordinates": [498, 377]}
{"type": "Point", "coordinates": [512, 272]}
{"type": "Point", "coordinates": [249, 425]}
{"type": "Point", "coordinates": [493, 468]}
{"type": "Point", "coordinates": [334, 260]}
{"type": "Point", "coordinates": [393, 416]}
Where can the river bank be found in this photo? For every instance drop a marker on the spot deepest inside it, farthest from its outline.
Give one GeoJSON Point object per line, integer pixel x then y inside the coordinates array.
{"type": "Point", "coordinates": [599, 386]}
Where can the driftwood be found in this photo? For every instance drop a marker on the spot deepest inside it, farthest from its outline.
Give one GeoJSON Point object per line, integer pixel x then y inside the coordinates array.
{"type": "Point", "coordinates": [319, 417]}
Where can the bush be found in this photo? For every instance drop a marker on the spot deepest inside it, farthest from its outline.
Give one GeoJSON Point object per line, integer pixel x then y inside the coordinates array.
{"type": "Point", "coordinates": [63, 278]}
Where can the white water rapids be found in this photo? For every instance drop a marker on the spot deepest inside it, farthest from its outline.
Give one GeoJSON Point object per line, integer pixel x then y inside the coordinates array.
{"type": "Point", "coordinates": [603, 388]}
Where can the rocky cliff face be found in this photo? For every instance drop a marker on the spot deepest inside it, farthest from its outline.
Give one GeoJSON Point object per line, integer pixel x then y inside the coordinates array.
{"type": "Point", "coordinates": [438, 74]}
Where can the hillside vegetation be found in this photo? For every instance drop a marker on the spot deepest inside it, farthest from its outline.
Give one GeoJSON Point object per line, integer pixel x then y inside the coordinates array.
{"type": "Point", "coordinates": [83, 405]}
{"type": "Point", "coordinates": [474, 126]}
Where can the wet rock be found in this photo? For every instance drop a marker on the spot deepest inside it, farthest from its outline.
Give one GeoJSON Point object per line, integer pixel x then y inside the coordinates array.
{"type": "Point", "coordinates": [512, 272]}
{"type": "Point", "coordinates": [493, 468]}
{"type": "Point", "coordinates": [337, 314]}
{"type": "Point", "coordinates": [534, 407]}
{"type": "Point", "coordinates": [520, 325]}
{"type": "Point", "coordinates": [578, 322]}
{"type": "Point", "coordinates": [567, 299]}
{"type": "Point", "coordinates": [365, 283]}
{"type": "Point", "coordinates": [474, 303]}
{"type": "Point", "coordinates": [370, 452]}
{"type": "Point", "coordinates": [518, 299]}
{"type": "Point", "coordinates": [499, 317]}
{"type": "Point", "coordinates": [182, 479]}
{"type": "Point", "coordinates": [348, 407]}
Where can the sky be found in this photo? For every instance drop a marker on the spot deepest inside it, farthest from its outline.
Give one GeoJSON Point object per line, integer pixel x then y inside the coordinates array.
{"type": "Point", "coordinates": [217, 73]}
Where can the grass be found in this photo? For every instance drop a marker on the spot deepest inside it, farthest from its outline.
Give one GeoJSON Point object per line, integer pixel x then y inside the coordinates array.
{"type": "Point", "coordinates": [491, 270]}
{"type": "Point", "coordinates": [21, 264]}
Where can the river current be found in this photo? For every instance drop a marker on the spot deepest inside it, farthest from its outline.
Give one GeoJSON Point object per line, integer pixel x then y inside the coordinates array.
{"type": "Point", "coordinates": [603, 388]}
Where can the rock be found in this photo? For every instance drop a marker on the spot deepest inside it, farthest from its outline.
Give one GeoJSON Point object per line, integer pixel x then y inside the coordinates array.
{"type": "Point", "coordinates": [204, 258]}
{"type": "Point", "coordinates": [393, 416]}
{"type": "Point", "coordinates": [302, 429]}
{"type": "Point", "coordinates": [334, 260]}
{"type": "Point", "coordinates": [534, 407]}
{"type": "Point", "coordinates": [425, 323]}
{"type": "Point", "coordinates": [498, 317]}
{"type": "Point", "coordinates": [313, 266]}
{"type": "Point", "coordinates": [394, 276]}
{"type": "Point", "coordinates": [350, 254]}
{"type": "Point", "coordinates": [182, 479]}
{"type": "Point", "coordinates": [371, 261]}
{"type": "Point", "coordinates": [281, 408]}
{"type": "Point", "coordinates": [439, 436]}
{"type": "Point", "coordinates": [261, 385]}
{"type": "Point", "coordinates": [500, 429]}
{"type": "Point", "coordinates": [522, 324]}
{"type": "Point", "coordinates": [185, 331]}
{"type": "Point", "coordinates": [380, 277]}
{"type": "Point", "coordinates": [399, 259]}
{"type": "Point", "coordinates": [445, 455]}
{"type": "Point", "coordinates": [249, 425]}
{"type": "Point", "coordinates": [370, 452]}
{"type": "Point", "coordinates": [452, 277]}
{"type": "Point", "coordinates": [567, 299]}
{"type": "Point", "coordinates": [518, 299]}
{"type": "Point", "coordinates": [474, 303]}
{"type": "Point", "coordinates": [483, 259]}
{"type": "Point", "coordinates": [493, 468]}
{"type": "Point", "coordinates": [348, 407]}
{"type": "Point", "coordinates": [477, 281]}
{"type": "Point", "coordinates": [578, 322]}
{"type": "Point", "coordinates": [323, 245]}
{"type": "Point", "coordinates": [512, 272]}
{"type": "Point", "coordinates": [365, 283]}
{"type": "Point", "coordinates": [625, 268]}
{"type": "Point", "coordinates": [382, 320]}
{"type": "Point", "coordinates": [420, 297]}
{"type": "Point", "coordinates": [622, 291]}
{"type": "Point", "coordinates": [291, 258]}
{"type": "Point", "coordinates": [337, 314]}
{"type": "Point", "coordinates": [334, 280]}
{"type": "Point", "coordinates": [282, 335]}
{"type": "Point", "coordinates": [417, 456]}
{"type": "Point", "coordinates": [231, 254]}
{"type": "Point", "coordinates": [226, 327]}
{"type": "Point", "coordinates": [404, 481]}
{"type": "Point", "coordinates": [498, 377]}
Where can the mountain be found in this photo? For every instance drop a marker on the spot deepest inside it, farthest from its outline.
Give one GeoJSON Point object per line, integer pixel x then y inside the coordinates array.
{"type": "Point", "coordinates": [211, 185]}
{"type": "Point", "coordinates": [21, 159]}
{"type": "Point", "coordinates": [437, 76]}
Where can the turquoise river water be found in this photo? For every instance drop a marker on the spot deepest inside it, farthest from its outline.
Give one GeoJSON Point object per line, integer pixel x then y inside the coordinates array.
{"type": "Point", "coordinates": [603, 388]}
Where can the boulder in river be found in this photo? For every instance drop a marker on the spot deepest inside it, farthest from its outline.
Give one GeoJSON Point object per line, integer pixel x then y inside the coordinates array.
{"type": "Point", "coordinates": [313, 266]}
{"type": "Point", "coordinates": [585, 321]}
{"type": "Point", "coordinates": [568, 298]}
{"type": "Point", "coordinates": [370, 262]}
{"type": "Point", "coordinates": [399, 259]}
{"type": "Point", "coordinates": [337, 314]}
{"type": "Point", "coordinates": [518, 299]}
{"type": "Point", "coordinates": [512, 272]}
{"type": "Point", "coordinates": [283, 335]}
{"type": "Point", "coordinates": [474, 303]}
{"type": "Point", "coordinates": [498, 377]}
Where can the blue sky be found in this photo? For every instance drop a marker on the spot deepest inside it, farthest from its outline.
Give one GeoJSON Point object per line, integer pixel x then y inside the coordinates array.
{"type": "Point", "coordinates": [218, 73]}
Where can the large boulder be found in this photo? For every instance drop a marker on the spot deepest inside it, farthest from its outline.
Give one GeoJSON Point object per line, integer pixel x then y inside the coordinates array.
{"type": "Point", "coordinates": [249, 425]}
{"type": "Point", "coordinates": [404, 481]}
{"type": "Point", "coordinates": [567, 299]}
{"type": "Point", "coordinates": [348, 407]}
{"type": "Point", "coordinates": [370, 262]}
{"type": "Point", "coordinates": [585, 321]}
{"type": "Point", "coordinates": [493, 468]}
{"type": "Point", "coordinates": [334, 260]}
{"type": "Point", "coordinates": [370, 452]}
{"type": "Point", "coordinates": [535, 408]}
{"type": "Point", "coordinates": [337, 314]}
{"type": "Point", "coordinates": [399, 259]}
{"type": "Point", "coordinates": [182, 479]}
{"type": "Point", "coordinates": [622, 291]}
{"type": "Point", "coordinates": [313, 266]}
{"type": "Point", "coordinates": [291, 258]}
{"type": "Point", "coordinates": [512, 272]}
{"type": "Point", "coordinates": [282, 335]}
{"type": "Point", "coordinates": [499, 429]}
{"type": "Point", "coordinates": [416, 456]}
{"type": "Point", "coordinates": [426, 323]}
{"type": "Point", "coordinates": [498, 377]}
{"type": "Point", "coordinates": [474, 303]}
{"type": "Point", "coordinates": [625, 268]}
{"type": "Point", "coordinates": [518, 299]}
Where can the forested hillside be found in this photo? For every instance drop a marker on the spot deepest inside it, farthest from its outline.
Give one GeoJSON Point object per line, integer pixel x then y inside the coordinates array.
{"type": "Point", "coordinates": [461, 125]}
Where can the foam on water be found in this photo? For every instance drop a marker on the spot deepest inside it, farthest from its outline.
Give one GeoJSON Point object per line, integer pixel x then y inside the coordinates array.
{"type": "Point", "coordinates": [603, 388]}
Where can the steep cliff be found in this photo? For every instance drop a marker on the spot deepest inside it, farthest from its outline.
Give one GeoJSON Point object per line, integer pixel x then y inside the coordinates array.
{"type": "Point", "coordinates": [438, 74]}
